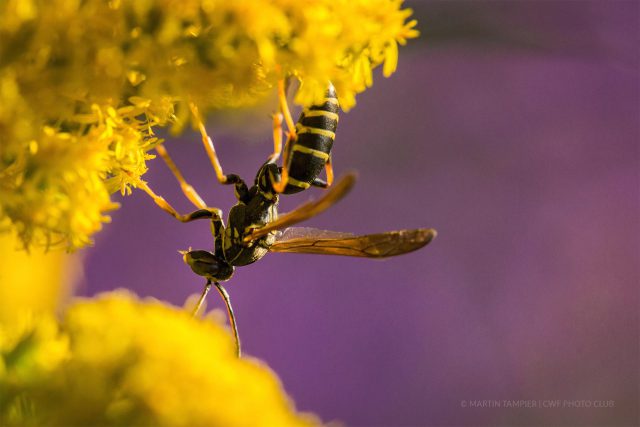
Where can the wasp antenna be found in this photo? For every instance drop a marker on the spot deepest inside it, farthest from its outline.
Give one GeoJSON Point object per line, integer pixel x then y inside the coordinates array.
{"type": "Point", "coordinates": [232, 317]}
{"type": "Point", "coordinates": [205, 291]}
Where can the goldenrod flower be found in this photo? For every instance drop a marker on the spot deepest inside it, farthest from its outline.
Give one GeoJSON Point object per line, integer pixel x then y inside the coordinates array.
{"type": "Point", "coordinates": [116, 360]}
{"type": "Point", "coordinates": [84, 83]}
{"type": "Point", "coordinates": [32, 287]}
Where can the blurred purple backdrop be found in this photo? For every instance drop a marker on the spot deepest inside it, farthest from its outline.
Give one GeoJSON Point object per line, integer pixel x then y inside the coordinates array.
{"type": "Point", "coordinates": [511, 128]}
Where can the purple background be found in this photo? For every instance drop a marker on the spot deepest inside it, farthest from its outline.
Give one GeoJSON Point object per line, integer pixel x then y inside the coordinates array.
{"type": "Point", "coordinates": [511, 128]}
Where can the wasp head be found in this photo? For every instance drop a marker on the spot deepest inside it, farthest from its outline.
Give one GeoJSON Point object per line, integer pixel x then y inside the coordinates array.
{"type": "Point", "coordinates": [206, 264]}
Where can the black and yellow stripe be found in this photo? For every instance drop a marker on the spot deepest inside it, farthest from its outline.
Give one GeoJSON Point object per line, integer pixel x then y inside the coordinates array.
{"type": "Point", "coordinates": [316, 130]}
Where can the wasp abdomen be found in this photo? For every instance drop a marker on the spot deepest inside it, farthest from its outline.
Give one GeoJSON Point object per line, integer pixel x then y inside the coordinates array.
{"type": "Point", "coordinates": [316, 130]}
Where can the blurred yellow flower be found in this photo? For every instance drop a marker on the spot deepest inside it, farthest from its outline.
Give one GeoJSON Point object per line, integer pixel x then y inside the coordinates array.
{"type": "Point", "coordinates": [116, 360]}
{"type": "Point", "coordinates": [121, 361]}
{"type": "Point", "coordinates": [83, 84]}
{"type": "Point", "coordinates": [32, 287]}
{"type": "Point", "coordinates": [33, 283]}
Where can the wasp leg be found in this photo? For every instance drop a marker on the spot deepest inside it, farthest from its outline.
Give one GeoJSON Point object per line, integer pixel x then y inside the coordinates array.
{"type": "Point", "coordinates": [279, 186]}
{"type": "Point", "coordinates": [284, 108]}
{"type": "Point", "coordinates": [329, 171]}
{"type": "Point", "coordinates": [217, 229]}
{"type": "Point", "coordinates": [328, 168]}
{"type": "Point", "coordinates": [232, 317]}
{"type": "Point", "coordinates": [241, 188]}
{"type": "Point", "coordinates": [208, 144]}
{"type": "Point", "coordinates": [205, 291]}
{"type": "Point", "coordinates": [214, 214]}
{"type": "Point", "coordinates": [277, 138]}
{"type": "Point", "coordinates": [187, 189]}
{"type": "Point", "coordinates": [291, 137]}
{"type": "Point", "coordinates": [227, 302]}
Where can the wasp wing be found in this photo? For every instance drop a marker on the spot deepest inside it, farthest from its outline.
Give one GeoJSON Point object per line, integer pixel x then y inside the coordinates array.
{"type": "Point", "coordinates": [307, 210]}
{"type": "Point", "coordinates": [323, 242]}
{"type": "Point", "coordinates": [292, 233]}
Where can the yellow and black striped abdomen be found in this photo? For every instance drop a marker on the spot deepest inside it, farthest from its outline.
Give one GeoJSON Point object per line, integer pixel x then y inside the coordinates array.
{"type": "Point", "coordinates": [316, 129]}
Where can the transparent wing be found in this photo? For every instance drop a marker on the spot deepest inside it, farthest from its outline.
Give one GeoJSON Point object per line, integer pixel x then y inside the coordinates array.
{"type": "Point", "coordinates": [307, 210]}
{"type": "Point", "coordinates": [310, 233]}
{"type": "Point", "coordinates": [312, 241]}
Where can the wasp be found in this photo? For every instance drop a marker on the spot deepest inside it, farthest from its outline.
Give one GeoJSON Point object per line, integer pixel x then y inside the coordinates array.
{"type": "Point", "coordinates": [254, 227]}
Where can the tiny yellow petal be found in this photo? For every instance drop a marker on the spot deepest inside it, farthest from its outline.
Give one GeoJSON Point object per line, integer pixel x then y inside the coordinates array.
{"type": "Point", "coordinates": [390, 59]}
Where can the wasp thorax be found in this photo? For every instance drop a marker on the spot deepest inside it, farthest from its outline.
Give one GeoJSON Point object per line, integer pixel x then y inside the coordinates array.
{"type": "Point", "coordinates": [206, 264]}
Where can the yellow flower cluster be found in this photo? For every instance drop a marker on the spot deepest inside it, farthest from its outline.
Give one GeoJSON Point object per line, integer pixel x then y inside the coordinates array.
{"type": "Point", "coordinates": [84, 83]}
{"type": "Point", "coordinates": [34, 282]}
{"type": "Point", "coordinates": [116, 360]}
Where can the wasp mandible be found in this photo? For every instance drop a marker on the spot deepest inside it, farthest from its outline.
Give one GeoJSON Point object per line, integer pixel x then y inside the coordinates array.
{"type": "Point", "coordinates": [253, 225]}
